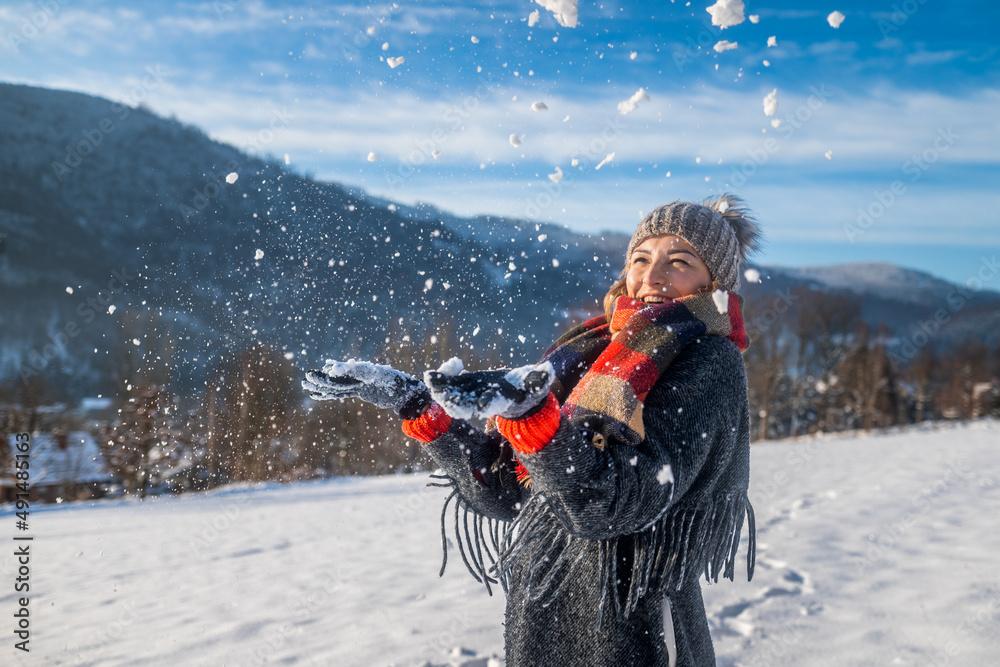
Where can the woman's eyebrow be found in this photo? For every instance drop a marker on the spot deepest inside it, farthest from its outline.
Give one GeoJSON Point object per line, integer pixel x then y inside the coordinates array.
{"type": "Point", "coordinates": [670, 252]}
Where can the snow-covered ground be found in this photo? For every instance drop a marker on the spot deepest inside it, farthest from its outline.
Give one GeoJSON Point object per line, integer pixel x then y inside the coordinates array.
{"type": "Point", "coordinates": [873, 550]}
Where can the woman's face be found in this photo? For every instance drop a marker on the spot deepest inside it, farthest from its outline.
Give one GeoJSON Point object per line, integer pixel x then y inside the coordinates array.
{"type": "Point", "coordinates": [665, 267]}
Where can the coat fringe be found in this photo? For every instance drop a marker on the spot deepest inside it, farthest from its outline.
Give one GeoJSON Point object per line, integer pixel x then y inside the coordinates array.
{"type": "Point", "coordinates": [684, 540]}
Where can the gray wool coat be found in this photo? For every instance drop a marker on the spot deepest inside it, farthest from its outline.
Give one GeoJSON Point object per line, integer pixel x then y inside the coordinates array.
{"type": "Point", "coordinates": [605, 539]}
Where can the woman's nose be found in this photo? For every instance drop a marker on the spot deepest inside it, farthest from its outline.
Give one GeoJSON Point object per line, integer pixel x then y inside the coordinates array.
{"type": "Point", "coordinates": [656, 274]}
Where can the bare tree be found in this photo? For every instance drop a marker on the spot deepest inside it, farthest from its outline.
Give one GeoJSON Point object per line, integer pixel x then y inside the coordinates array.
{"type": "Point", "coordinates": [145, 440]}
{"type": "Point", "coordinates": [249, 409]}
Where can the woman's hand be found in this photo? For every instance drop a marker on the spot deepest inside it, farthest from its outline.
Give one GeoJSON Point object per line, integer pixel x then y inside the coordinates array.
{"type": "Point", "coordinates": [383, 386]}
{"type": "Point", "coordinates": [509, 394]}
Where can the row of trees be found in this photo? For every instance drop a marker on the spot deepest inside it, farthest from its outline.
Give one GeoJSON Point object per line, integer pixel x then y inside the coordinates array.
{"type": "Point", "coordinates": [820, 367]}
{"type": "Point", "coordinates": [813, 368]}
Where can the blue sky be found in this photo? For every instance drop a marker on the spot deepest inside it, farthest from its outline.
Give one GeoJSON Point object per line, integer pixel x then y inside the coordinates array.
{"type": "Point", "coordinates": [887, 147]}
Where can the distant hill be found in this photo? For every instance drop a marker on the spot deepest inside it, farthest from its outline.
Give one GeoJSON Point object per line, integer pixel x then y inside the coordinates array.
{"type": "Point", "coordinates": [106, 209]}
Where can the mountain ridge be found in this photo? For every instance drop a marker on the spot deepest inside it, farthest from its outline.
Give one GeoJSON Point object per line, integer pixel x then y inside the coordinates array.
{"type": "Point", "coordinates": [231, 249]}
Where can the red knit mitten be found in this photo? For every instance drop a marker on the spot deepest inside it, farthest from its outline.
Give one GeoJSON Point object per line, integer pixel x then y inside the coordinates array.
{"type": "Point", "coordinates": [431, 425]}
{"type": "Point", "coordinates": [530, 434]}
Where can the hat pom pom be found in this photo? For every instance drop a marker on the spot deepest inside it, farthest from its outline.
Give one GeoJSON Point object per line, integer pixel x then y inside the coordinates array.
{"type": "Point", "coordinates": [734, 211]}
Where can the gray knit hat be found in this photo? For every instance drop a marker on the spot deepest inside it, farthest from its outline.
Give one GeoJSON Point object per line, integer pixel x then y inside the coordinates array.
{"type": "Point", "coordinates": [721, 230]}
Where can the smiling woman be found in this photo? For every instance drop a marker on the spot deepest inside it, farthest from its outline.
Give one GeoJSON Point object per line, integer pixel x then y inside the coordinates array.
{"type": "Point", "coordinates": [614, 473]}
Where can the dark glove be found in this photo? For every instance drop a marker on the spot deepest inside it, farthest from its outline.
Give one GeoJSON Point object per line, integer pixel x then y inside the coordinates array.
{"type": "Point", "coordinates": [383, 386]}
{"type": "Point", "coordinates": [511, 394]}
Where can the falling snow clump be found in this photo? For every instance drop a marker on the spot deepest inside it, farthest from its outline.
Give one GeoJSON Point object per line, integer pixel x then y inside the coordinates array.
{"type": "Point", "coordinates": [539, 106]}
{"type": "Point", "coordinates": [666, 475]}
{"type": "Point", "coordinates": [772, 40]}
{"type": "Point", "coordinates": [721, 299]}
{"type": "Point", "coordinates": [771, 103]}
{"type": "Point", "coordinates": [565, 11]}
{"type": "Point", "coordinates": [752, 275]}
{"type": "Point", "coordinates": [372, 156]}
{"type": "Point", "coordinates": [259, 254]}
{"type": "Point", "coordinates": [533, 18]}
{"type": "Point", "coordinates": [556, 177]}
{"type": "Point", "coordinates": [607, 158]}
{"type": "Point", "coordinates": [231, 177]}
{"type": "Point", "coordinates": [726, 13]}
{"type": "Point", "coordinates": [835, 19]}
{"type": "Point", "coordinates": [515, 140]}
{"type": "Point", "coordinates": [395, 62]}
{"type": "Point", "coordinates": [630, 105]}
{"type": "Point", "coordinates": [725, 45]}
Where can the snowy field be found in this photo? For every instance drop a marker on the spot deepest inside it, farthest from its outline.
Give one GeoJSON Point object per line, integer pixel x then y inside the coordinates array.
{"type": "Point", "coordinates": [873, 550]}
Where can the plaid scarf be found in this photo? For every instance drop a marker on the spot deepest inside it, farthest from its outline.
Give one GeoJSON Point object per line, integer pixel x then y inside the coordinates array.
{"type": "Point", "coordinates": [604, 371]}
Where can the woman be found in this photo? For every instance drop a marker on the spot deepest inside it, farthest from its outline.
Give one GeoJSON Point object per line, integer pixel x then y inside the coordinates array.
{"type": "Point", "coordinates": [619, 466]}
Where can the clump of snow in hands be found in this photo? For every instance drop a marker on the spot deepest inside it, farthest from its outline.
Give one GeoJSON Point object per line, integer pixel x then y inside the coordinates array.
{"type": "Point", "coordinates": [726, 13]}
{"type": "Point", "coordinates": [607, 158]}
{"type": "Point", "coordinates": [721, 299]}
{"type": "Point", "coordinates": [565, 11]}
{"type": "Point", "coordinates": [725, 45]}
{"type": "Point", "coordinates": [516, 377]}
{"type": "Point", "coordinates": [835, 19]}
{"type": "Point", "coordinates": [395, 62]}
{"type": "Point", "coordinates": [231, 177]}
{"type": "Point", "coordinates": [771, 103]}
{"type": "Point", "coordinates": [515, 140]}
{"type": "Point", "coordinates": [259, 254]}
{"type": "Point", "coordinates": [369, 373]}
{"type": "Point", "coordinates": [630, 105]}
{"type": "Point", "coordinates": [539, 106]}
{"type": "Point", "coordinates": [453, 366]}
{"type": "Point", "coordinates": [556, 177]}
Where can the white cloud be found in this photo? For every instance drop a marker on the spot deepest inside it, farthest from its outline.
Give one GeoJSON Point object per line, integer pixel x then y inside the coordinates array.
{"type": "Point", "coordinates": [922, 57]}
